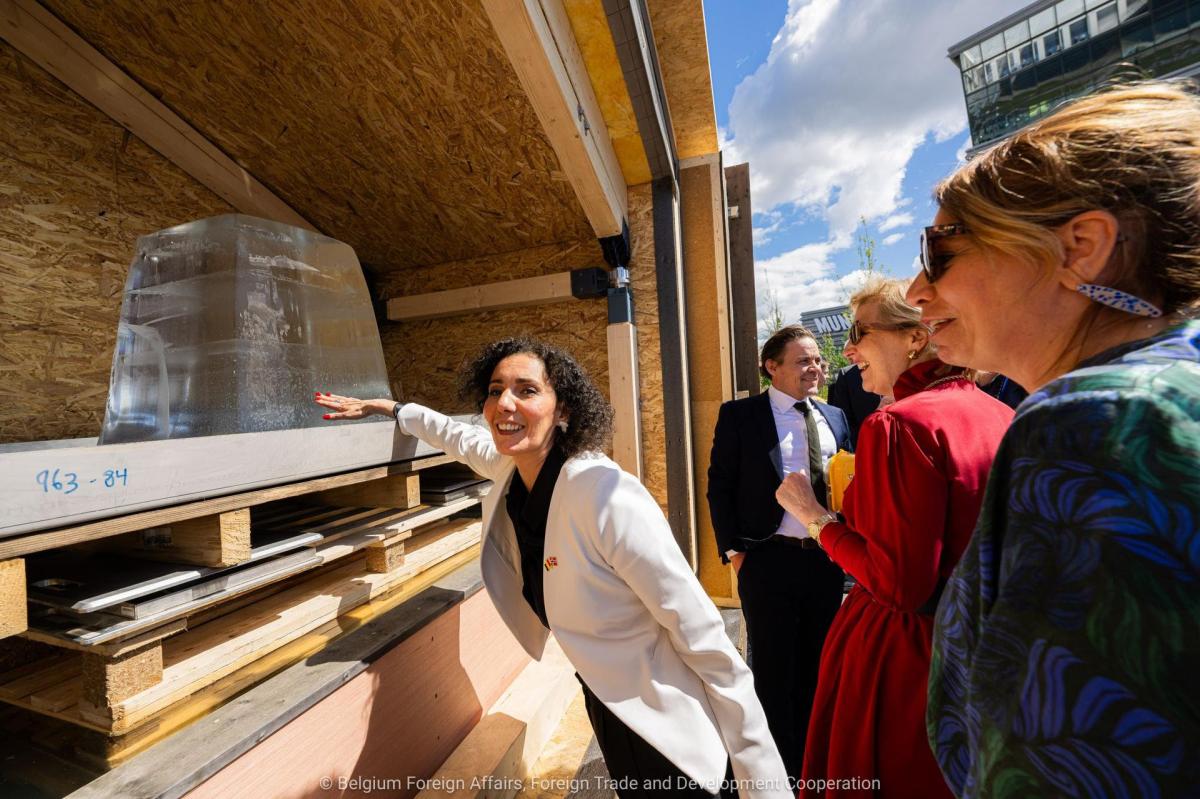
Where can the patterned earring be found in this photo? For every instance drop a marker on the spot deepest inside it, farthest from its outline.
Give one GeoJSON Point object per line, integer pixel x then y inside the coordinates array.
{"type": "Point", "coordinates": [1115, 298]}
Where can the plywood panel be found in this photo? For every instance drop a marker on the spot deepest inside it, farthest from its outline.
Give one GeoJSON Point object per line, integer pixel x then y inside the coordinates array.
{"type": "Point", "coordinates": [437, 682]}
{"type": "Point", "coordinates": [399, 128]}
{"type": "Point", "coordinates": [75, 193]}
{"type": "Point", "coordinates": [424, 357]}
{"type": "Point", "coordinates": [682, 44]}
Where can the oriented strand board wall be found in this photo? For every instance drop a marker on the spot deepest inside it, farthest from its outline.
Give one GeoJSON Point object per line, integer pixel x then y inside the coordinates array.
{"type": "Point", "coordinates": [645, 316]}
{"type": "Point", "coordinates": [75, 193]}
{"type": "Point", "coordinates": [424, 357]}
{"type": "Point", "coordinates": [397, 127]}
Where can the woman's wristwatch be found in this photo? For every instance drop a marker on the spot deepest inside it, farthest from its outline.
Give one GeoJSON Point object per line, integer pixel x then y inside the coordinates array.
{"type": "Point", "coordinates": [816, 525]}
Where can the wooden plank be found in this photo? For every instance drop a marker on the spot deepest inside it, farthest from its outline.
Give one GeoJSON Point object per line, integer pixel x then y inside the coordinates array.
{"type": "Point", "coordinates": [135, 640]}
{"type": "Point", "coordinates": [14, 614]}
{"type": "Point", "coordinates": [132, 518]}
{"type": "Point", "coordinates": [206, 654]}
{"type": "Point", "coordinates": [401, 491]}
{"type": "Point", "coordinates": [40, 35]}
{"type": "Point", "coordinates": [623, 394]}
{"type": "Point", "coordinates": [537, 36]}
{"type": "Point", "coordinates": [528, 291]}
{"type": "Point", "coordinates": [222, 539]}
{"type": "Point", "coordinates": [58, 698]}
{"type": "Point", "coordinates": [19, 683]}
{"type": "Point", "coordinates": [681, 44]}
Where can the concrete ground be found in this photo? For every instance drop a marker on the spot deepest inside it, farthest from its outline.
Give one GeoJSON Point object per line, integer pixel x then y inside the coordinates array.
{"type": "Point", "coordinates": [571, 766]}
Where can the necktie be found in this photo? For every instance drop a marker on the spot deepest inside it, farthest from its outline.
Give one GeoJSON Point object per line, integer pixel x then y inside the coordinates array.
{"type": "Point", "coordinates": [816, 468]}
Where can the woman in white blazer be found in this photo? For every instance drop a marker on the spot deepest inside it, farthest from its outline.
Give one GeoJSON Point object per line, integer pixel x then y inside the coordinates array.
{"type": "Point", "coordinates": [575, 546]}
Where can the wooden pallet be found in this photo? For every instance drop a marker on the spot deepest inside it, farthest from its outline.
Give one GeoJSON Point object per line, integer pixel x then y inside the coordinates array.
{"type": "Point", "coordinates": [130, 692]}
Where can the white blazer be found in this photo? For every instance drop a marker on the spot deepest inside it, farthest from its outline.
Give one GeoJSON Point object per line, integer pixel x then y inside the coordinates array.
{"type": "Point", "coordinates": [626, 609]}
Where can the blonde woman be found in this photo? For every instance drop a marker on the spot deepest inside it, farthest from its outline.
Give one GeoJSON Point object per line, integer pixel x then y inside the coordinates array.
{"type": "Point", "coordinates": [920, 468]}
{"type": "Point", "coordinates": [1068, 642]}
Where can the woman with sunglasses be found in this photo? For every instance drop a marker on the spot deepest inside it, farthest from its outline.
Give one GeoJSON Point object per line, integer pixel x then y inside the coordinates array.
{"type": "Point", "coordinates": [1067, 643]}
{"type": "Point", "coordinates": [920, 467]}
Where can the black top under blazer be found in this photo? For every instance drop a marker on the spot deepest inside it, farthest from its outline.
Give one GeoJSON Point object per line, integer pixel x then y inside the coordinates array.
{"type": "Point", "coordinates": [746, 468]}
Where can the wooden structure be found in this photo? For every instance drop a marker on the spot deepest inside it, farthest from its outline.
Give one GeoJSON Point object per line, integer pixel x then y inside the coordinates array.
{"type": "Point", "coordinates": [483, 158]}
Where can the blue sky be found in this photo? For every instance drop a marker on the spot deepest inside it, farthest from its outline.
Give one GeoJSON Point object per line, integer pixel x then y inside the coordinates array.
{"type": "Point", "coordinates": [845, 109]}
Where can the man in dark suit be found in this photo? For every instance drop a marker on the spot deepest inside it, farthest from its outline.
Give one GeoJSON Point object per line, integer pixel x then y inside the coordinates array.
{"type": "Point", "coordinates": [789, 588]}
{"type": "Point", "coordinates": [847, 393]}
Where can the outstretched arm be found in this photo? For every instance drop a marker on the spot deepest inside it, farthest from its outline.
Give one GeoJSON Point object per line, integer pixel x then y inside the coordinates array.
{"type": "Point", "coordinates": [466, 443]}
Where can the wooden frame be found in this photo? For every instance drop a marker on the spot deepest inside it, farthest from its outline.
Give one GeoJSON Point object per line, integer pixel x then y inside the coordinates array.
{"type": "Point", "coordinates": [488, 297]}
{"type": "Point", "coordinates": [42, 37]}
{"type": "Point", "coordinates": [623, 393]}
{"type": "Point", "coordinates": [539, 41]}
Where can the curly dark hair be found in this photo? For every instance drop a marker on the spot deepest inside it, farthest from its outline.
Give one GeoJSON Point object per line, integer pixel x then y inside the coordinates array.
{"type": "Point", "coordinates": [591, 417]}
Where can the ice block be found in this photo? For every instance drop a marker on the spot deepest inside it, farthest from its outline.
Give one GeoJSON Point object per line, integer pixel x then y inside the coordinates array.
{"type": "Point", "coordinates": [229, 324]}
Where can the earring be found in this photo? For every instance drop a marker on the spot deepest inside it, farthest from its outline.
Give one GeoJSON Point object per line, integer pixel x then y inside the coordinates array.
{"type": "Point", "coordinates": [562, 425]}
{"type": "Point", "coordinates": [912, 355]}
{"type": "Point", "coordinates": [1115, 298]}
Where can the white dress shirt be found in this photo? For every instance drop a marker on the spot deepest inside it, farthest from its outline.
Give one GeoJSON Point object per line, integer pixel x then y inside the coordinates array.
{"type": "Point", "coordinates": [793, 447]}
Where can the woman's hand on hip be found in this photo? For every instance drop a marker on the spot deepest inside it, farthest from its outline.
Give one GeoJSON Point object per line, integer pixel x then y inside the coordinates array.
{"type": "Point", "coordinates": [352, 408]}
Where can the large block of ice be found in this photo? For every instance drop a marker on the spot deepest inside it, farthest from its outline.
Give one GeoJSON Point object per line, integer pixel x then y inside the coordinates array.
{"type": "Point", "coordinates": [229, 324]}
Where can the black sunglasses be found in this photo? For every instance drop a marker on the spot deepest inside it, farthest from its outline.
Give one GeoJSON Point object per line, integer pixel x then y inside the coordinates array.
{"type": "Point", "coordinates": [858, 330]}
{"type": "Point", "coordinates": [935, 264]}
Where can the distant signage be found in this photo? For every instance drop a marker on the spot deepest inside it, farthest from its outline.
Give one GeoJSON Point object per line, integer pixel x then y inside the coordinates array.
{"type": "Point", "coordinates": [831, 322]}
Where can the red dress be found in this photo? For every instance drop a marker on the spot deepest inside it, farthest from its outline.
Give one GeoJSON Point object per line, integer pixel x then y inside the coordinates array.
{"type": "Point", "coordinates": [920, 470]}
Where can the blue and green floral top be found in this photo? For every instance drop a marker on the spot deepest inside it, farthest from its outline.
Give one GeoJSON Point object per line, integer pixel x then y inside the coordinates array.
{"type": "Point", "coordinates": [1066, 656]}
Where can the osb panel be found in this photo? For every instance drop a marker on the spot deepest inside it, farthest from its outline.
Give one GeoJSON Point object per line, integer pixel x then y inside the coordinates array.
{"type": "Point", "coordinates": [645, 316]}
{"type": "Point", "coordinates": [398, 127]}
{"type": "Point", "coordinates": [705, 351]}
{"type": "Point", "coordinates": [424, 357]}
{"type": "Point", "coordinates": [682, 45]}
{"type": "Point", "coordinates": [75, 193]}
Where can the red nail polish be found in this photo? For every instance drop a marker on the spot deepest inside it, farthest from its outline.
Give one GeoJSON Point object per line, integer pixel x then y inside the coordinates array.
{"type": "Point", "coordinates": [326, 416]}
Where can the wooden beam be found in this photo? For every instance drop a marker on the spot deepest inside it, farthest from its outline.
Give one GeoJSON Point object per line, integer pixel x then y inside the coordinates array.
{"type": "Point", "coordinates": [539, 41]}
{"type": "Point", "coordinates": [488, 297]}
{"type": "Point", "coordinates": [402, 491]}
{"type": "Point", "coordinates": [14, 616]}
{"type": "Point", "coordinates": [623, 394]}
{"type": "Point", "coordinates": [222, 539]}
{"type": "Point", "coordinates": [42, 37]}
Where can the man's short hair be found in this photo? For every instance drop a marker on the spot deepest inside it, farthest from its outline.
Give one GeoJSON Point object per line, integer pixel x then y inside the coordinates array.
{"type": "Point", "coordinates": [777, 343]}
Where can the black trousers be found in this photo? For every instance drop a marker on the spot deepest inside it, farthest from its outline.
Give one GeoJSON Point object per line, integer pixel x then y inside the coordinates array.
{"type": "Point", "coordinates": [640, 770]}
{"type": "Point", "coordinates": [789, 598]}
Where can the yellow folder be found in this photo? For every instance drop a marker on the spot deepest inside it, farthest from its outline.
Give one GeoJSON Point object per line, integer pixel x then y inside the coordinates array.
{"type": "Point", "coordinates": [841, 472]}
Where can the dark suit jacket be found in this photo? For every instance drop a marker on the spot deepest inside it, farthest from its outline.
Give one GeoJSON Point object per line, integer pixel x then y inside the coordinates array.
{"type": "Point", "coordinates": [746, 468]}
{"type": "Point", "coordinates": [847, 393]}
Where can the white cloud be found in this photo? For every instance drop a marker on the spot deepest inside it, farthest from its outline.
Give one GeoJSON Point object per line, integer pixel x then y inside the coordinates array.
{"type": "Point", "coordinates": [829, 123]}
{"type": "Point", "coordinates": [892, 239]}
{"type": "Point", "coordinates": [849, 90]}
{"type": "Point", "coordinates": [894, 221]}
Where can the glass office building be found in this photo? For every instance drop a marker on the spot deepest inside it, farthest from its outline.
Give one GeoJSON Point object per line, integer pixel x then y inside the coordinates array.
{"type": "Point", "coordinates": [1024, 66]}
